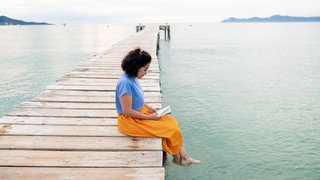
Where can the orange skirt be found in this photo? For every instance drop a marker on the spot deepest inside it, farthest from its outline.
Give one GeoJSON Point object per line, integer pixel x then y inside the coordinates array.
{"type": "Point", "coordinates": [166, 127]}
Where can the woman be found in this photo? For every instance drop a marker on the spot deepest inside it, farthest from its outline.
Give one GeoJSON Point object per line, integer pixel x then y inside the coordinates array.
{"type": "Point", "coordinates": [135, 118]}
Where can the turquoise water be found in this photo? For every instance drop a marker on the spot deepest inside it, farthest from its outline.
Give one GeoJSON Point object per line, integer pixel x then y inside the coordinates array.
{"type": "Point", "coordinates": [33, 57]}
{"type": "Point", "coordinates": [247, 97]}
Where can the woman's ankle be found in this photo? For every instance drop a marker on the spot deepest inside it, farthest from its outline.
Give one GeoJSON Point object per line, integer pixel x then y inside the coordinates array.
{"type": "Point", "coordinates": [176, 158]}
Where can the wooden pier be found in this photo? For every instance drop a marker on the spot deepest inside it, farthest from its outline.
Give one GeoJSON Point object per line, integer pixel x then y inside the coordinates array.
{"type": "Point", "coordinates": [70, 130]}
{"type": "Point", "coordinates": [140, 27]}
{"type": "Point", "coordinates": [165, 28]}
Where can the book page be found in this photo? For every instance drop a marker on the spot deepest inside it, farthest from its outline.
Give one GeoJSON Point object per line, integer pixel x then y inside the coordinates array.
{"type": "Point", "coordinates": [164, 111]}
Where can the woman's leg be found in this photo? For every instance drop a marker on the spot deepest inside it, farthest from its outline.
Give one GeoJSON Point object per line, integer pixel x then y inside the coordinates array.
{"type": "Point", "coordinates": [183, 159]}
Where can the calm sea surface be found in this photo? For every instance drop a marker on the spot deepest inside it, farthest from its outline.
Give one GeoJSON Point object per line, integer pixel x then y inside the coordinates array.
{"type": "Point", "coordinates": [247, 96]}
{"type": "Point", "coordinates": [33, 57]}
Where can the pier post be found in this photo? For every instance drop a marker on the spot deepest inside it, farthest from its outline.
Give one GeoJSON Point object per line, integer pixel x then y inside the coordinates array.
{"type": "Point", "coordinates": [158, 45]}
{"type": "Point", "coordinates": [140, 27]}
{"type": "Point", "coordinates": [166, 29]}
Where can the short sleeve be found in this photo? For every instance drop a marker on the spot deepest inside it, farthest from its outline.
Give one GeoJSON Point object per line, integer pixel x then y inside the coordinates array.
{"type": "Point", "coordinates": [124, 88]}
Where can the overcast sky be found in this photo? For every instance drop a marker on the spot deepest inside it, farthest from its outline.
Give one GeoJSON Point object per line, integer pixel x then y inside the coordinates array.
{"type": "Point", "coordinates": [152, 11]}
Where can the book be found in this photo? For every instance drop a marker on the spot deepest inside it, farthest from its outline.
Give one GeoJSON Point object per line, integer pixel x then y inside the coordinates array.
{"type": "Point", "coordinates": [164, 111]}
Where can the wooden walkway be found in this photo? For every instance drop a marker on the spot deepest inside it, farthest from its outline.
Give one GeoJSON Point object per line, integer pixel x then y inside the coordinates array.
{"type": "Point", "coordinates": [70, 130]}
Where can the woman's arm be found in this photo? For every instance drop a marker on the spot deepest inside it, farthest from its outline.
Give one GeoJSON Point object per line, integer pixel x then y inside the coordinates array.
{"type": "Point", "coordinates": [126, 104]}
{"type": "Point", "coordinates": [151, 109]}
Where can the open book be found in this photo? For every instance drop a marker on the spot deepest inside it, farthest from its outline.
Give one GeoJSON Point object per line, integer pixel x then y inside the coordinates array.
{"type": "Point", "coordinates": [164, 111]}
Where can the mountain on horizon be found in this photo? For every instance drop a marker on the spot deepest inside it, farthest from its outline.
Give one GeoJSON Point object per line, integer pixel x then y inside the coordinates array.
{"type": "Point", "coordinates": [4, 20]}
{"type": "Point", "coordinates": [274, 18]}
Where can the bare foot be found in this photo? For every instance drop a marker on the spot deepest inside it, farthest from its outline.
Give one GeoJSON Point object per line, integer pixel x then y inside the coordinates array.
{"type": "Point", "coordinates": [190, 161]}
{"type": "Point", "coordinates": [180, 164]}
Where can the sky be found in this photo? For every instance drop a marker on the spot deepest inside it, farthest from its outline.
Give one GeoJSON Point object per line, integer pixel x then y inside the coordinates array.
{"type": "Point", "coordinates": [151, 11]}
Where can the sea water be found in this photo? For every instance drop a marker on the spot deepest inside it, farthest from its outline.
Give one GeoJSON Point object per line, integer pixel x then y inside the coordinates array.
{"type": "Point", "coordinates": [247, 98]}
{"type": "Point", "coordinates": [33, 57]}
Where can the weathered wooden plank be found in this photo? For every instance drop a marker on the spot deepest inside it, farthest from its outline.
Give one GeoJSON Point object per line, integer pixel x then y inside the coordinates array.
{"type": "Point", "coordinates": [25, 111]}
{"type": "Point", "coordinates": [113, 61]}
{"type": "Point", "coordinates": [95, 88]}
{"type": "Point", "coordinates": [108, 74]}
{"type": "Point", "coordinates": [23, 120]}
{"type": "Point", "coordinates": [82, 81]}
{"type": "Point", "coordinates": [129, 44]}
{"type": "Point", "coordinates": [116, 60]}
{"type": "Point", "coordinates": [81, 87]}
{"type": "Point", "coordinates": [59, 130]}
{"type": "Point", "coordinates": [88, 99]}
{"type": "Point", "coordinates": [32, 173]}
{"type": "Point", "coordinates": [81, 158]}
{"type": "Point", "coordinates": [111, 69]}
{"type": "Point", "coordinates": [69, 98]}
{"type": "Point", "coordinates": [101, 75]}
{"type": "Point", "coordinates": [95, 82]}
{"type": "Point", "coordinates": [40, 103]}
{"type": "Point", "coordinates": [108, 81]}
{"type": "Point", "coordinates": [90, 93]}
{"type": "Point", "coordinates": [78, 105]}
{"type": "Point", "coordinates": [79, 143]}
{"type": "Point", "coordinates": [116, 73]}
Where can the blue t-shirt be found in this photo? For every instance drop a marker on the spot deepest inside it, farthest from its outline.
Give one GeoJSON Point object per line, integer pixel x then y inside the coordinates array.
{"type": "Point", "coordinates": [129, 85]}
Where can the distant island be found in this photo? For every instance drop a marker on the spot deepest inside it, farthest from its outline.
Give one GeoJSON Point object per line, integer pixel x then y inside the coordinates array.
{"type": "Point", "coordinates": [275, 18]}
{"type": "Point", "coordinates": [4, 20]}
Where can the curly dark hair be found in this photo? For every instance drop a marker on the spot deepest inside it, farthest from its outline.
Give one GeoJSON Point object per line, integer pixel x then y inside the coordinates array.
{"type": "Point", "coordinates": [134, 60]}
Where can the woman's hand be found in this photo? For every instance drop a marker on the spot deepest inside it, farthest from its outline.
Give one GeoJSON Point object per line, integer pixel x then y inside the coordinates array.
{"type": "Point", "coordinates": [126, 103]}
{"type": "Point", "coordinates": [154, 116]}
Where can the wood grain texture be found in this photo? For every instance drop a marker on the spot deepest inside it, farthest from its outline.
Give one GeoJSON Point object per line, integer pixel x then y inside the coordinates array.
{"type": "Point", "coordinates": [69, 131]}
{"type": "Point", "coordinates": [32, 173]}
